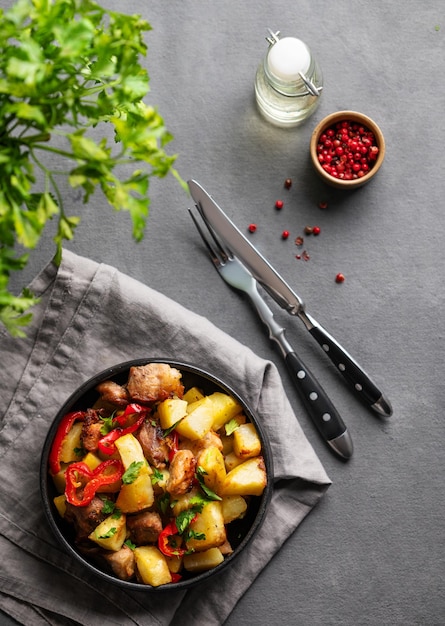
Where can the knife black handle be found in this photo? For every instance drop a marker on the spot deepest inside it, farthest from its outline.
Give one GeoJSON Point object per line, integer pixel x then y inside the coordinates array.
{"type": "Point", "coordinates": [320, 408]}
{"type": "Point", "coordinates": [364, 387]}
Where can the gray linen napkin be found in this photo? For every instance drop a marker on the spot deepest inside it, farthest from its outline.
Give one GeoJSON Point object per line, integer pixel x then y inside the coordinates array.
{"type": "Point", "coordinates": [90, 317]}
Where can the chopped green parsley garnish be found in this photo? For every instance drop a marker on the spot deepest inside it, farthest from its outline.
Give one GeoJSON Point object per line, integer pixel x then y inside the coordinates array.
{"type": "Point", "coordinates": [156, 477]}
{"type": "Point", "coordinates": [200, 473]}
{"type": "Point", "coordinates": [231, 426]}
{"type": "Point", "coordinates": [191, 534]}
{"type": "Point", "coordinates": [108, 506]}
{"type": "Point", "coordinates": [132, 472]}
{"type": "Point", "coordinates": [167, 431]}
{"type": "Point", "coordinates": [108, 534]}
{"type": "Point", "coordinates": [186, 517]}
{"type": "Point", "coordinates": [108, 424]}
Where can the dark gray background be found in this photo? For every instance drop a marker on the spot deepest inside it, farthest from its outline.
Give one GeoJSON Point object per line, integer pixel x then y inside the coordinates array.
{"type": "Point", "coordinates": [372, 552]}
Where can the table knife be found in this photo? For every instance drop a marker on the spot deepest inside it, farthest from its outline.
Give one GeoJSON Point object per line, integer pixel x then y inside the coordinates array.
{"type": "Point", "coordinates": [357, 379]}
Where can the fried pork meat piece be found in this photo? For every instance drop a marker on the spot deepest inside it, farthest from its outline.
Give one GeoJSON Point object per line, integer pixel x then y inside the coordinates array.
{"type": "Point", "coordinates": [144, 527]}
{"type": "Point", "coordinates": [85, 518]}
{"type": "Point", "coordinates": [91, 430]}
{"type": "Point", "coordinates": [182, 473]}
{"type": "Point", "coordinates": [210, 439]}
{"type": "Point", "coordinates": [121, 562]}
{"type": "Point", "coordinates": [154, 382]}
{"type": "Point", "coordinates": [153, 443]}
{"type": "Point", "coordinates": [112, 393]}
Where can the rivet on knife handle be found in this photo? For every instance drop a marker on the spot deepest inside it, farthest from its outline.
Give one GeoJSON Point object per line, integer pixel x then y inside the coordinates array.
{"type": "Point", "coordinates": [319, 406]}
{"type": "Point", "coordinates": [358, 379]}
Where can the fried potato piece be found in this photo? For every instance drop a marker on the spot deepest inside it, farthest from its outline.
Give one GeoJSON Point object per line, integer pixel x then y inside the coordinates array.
{"type": "Point", "coordinates": [152, 566]}
{"type": "Point", "coordinates": [247, 479]}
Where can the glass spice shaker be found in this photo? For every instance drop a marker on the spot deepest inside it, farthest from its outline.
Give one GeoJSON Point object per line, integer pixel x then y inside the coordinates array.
{"type": "Point", "coordinates": [288, 82]}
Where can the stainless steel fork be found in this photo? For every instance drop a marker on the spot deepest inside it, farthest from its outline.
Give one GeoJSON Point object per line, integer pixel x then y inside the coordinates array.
{"type": "Point", "coordinates": [320, 408]}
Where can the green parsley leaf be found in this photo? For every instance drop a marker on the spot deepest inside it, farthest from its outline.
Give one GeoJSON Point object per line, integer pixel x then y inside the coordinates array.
{"type": "Point", "coordinates": [108, 534]}
{"type": "Point", "coordinates": [191, 534]}
{"type": "Point", "coordinates": [164, 503]}
{"type": "Point", "coordinates": [132, 472]}
{"type": "Point", "coordinates": [211, 495]}
{"type": "Point", "coordinates": [200, 473]}
{"type": "Point", "coordinates": [129, 544]}
{"type": "Point", "coordinates": [107, 424]}
{"type": "Point", "coordinates": [231, 426]}
{"type": "Point", "coordinates": [108, 506]}
{"type": "Point", "coordinates": [167, 431]}
{"type": "Point", "coordinates": [156, 477]}
{"type": "Point", "coordinates": [185, 517]}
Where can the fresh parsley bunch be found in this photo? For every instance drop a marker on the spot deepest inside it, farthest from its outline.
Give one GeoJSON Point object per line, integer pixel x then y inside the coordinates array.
{"type": "Point", "coordinates": [66, 68]}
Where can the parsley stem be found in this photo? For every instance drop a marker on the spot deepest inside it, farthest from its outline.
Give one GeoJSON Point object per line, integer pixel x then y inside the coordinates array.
{"type": "Point", "coordinates": [49, 177]}
{"type": "Point", "coordinates": [68, 155]}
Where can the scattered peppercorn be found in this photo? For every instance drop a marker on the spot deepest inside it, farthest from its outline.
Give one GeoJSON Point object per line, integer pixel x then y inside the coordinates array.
{"type": "Point", "coordinates": [308, 230]}
{"type": "Point", "coordinates": [316, 230]}
{"type": "Point", "coordinates": [252, 228]}
{"type": "Point", "coordinates": [299, 241]}
{"type": "Point", "coordinates": [323, 204]}
{"type": "Point", "coordinates": [340, 278]}
{"type": "Point", "coordinates": [279, 204]}
{"type": "Point", "coordinates": [285, 234]}
{"type": "Point", "coordinates": [288, 183]}
{"type": "Point", "coordinates": [306, 256]}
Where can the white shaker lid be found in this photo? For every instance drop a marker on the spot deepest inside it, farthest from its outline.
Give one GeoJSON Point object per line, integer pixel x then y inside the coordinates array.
{"type": "Point", "coordinates": [288, 58]}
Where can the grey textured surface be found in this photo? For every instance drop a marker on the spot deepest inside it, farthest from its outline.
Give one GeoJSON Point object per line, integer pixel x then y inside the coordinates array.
{"type": "Point", "coordinates": [372, 552]}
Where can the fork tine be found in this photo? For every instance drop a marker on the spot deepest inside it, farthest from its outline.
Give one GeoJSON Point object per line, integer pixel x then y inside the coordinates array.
{"type": "Point", "coordinates": [219, 254]}
{"type": "Point", "coordinates": [211, 250]}
{"type": "Point", "coordinates": [224, 251]}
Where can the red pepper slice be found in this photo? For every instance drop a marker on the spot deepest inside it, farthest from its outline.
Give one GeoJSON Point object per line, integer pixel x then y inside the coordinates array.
{"type": "Point", "coordinates": [106, 443]}
{"type": "Point", "coordinates": [164, 544]}
{"type": "Point", "coordinates": [174, 446]}
{"type": "Point", "coordinates": [175, 577]}
{"type": "Point", "coordinates": [63, 429]}
{"type": "Point", "coordinates": [130, 409]}
{"type": "Point", "coordinates": [79, 476]}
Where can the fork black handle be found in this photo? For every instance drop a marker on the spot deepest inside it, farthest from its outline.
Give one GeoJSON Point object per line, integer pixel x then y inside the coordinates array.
{"type": "Point", "coordinates": [320, 408]}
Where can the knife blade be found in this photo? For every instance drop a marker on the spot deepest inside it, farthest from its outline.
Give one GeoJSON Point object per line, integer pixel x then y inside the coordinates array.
{"type": "Point", "coordinates": [356, 377]}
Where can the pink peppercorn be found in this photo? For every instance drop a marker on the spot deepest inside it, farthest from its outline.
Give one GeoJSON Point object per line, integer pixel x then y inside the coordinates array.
{"type": "Point", "coordinates": [347, 150]}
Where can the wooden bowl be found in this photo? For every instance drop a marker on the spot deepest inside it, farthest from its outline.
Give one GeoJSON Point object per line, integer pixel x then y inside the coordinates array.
{"type": "Point", "coordinates": [359, 178]}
